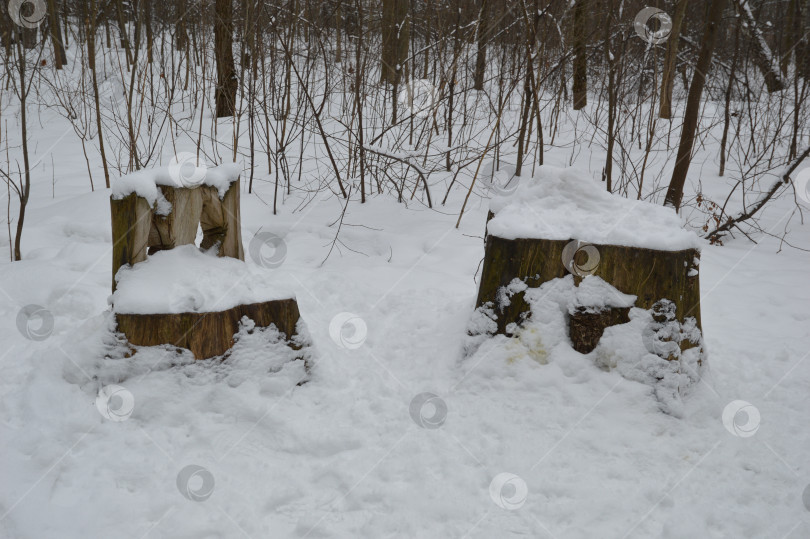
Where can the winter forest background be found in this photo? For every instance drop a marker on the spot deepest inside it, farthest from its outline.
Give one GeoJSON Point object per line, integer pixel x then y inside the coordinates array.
{"type": "Point", "coordinates": [371, 137]}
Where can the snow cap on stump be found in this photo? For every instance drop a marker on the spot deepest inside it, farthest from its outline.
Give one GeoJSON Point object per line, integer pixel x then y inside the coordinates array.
{"type": "Point", "coordinates": [563, 203]}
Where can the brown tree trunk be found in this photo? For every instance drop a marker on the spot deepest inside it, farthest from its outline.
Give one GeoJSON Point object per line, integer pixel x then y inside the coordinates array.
{"type": "Point", "coordinates": [763, 58]}
{"type": "Point", "coordinates": [648, 274]}
{"type": "Point", "coordinates": [181, 37]}
{"type": "Point", "coordinates": [226, 71]}
{"type": "Point", "coordinates": [59, 56]}
{"type": "Point", "coordinates": [690, 119]}
{"type": "Point", "coordinates": [580, 86]}
{"type": "Point", "coordinates": [481, 54]}
{"type": "Point", "coordinates": [396, 29]}
{"type": "Point", "coordinates": [147, 18]}
{"type": "Point", "coordinates": [28, 37]}
{"type": "Point", "coordinates": [727, 106]}
{"type": "Point", "coordinates": [208, 334]}
{"type": "Point", "coordinates": [803, 49]}
{"type": "Point", "coordinates": [668, 79]}
{"type": "Point", "coordinates": [25, 189]}
{"type": "Point", "coordinates": [122, 29]}
{"type": "Point", "coordinates": [91, 60]}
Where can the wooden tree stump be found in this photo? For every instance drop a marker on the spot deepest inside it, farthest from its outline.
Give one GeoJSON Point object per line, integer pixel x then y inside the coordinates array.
{"type": "Point", "coordinates": [207, 334]}
{"type": "Point", "coordinates": [142, 227]}
{"type": "Point", "coordinates": [649, 274]}
{"type": "Point", "coordinates": [561, 222]}
{"type": "Point", "coordinates": [139, 228]}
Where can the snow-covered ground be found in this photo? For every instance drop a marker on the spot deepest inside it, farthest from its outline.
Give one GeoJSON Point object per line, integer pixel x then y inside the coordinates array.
{"type": "Point", "coordinates": [394, 434]}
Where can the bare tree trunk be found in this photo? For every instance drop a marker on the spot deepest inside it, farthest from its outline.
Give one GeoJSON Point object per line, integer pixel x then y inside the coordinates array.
{"type": "Point", "coordinates": [395, 35]}
{"type": "Point", "coordinates": [122, 29]}
{"type": "Point", "coordinates": [690, 119]}
{"type": "Point", "coordinates": [726, 109]}
{"type": "Point", "coordinates": [668, 80]}
{"type": "Point", "coordinates": [91, 59]}
{"type": "Point", "coordinates": [481, 39]}
{"type": "Point", "coordinates": [339, 31]}
{"type": "Point", "coordinates": [763, 58]}
{"type": "Point", "coordinates": [28, 36]}
{"type": "Point", "coordinates": [59, 56]}
{"type": "Point", "coordinates": [613, 57]}
{"type": "Point", "coordinates": [580, 86]}
{"type": "Point", "coordinates": [223, 47]}
{"type": "Point", "coordinates": [147, 16]}
{"type": "Point", "coordinates": [25, 187]}
{"type": "Point", "coordinates": [803, 50]}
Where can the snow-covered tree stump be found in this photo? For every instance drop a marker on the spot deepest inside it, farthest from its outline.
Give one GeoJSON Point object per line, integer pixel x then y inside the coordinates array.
{"type": "Point", "coordinates": [559, 224]}
{"type": "Point", "coordinates": [168, 291]}
{"type": "Point", "coordinates": [206, 334]}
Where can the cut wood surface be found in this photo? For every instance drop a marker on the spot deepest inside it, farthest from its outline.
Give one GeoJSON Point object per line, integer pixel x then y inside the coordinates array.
{"type": "Point", "coordinates": [131, 225]}
{"type": "Point", "coordinates": [138, 230]}
{"type": "Point", "coordinates": [206, 334]}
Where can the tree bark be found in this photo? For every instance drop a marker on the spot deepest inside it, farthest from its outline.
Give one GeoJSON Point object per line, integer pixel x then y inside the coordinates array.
{"type": "Point", "coordinates": [803, 47]}
{"type": "Point", "coordinates": [481, 40]}
{"type": "Point", "coordinates": [580, 86]}
{"type": "Point", "coordinates": [226, 71]}
{"type": "Point", "coordinates": [91, 59]}
{"type": "Point", "coordinates": [690, 119]}
{"type": "Point", "coordinates": [395, 35]}
{"type": "Point", "coordinates": [208, 334]}
{"type": "Point", "coordinates": [671, 59]}
{"type": "Point", "coordinates": [122, 29]}
{"type": "Point", "coordinates": [59, 56]}
{"type": "Point", "coordinates": [763, 57]}
{"type": "Point", "coordinates": [648, 274]}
